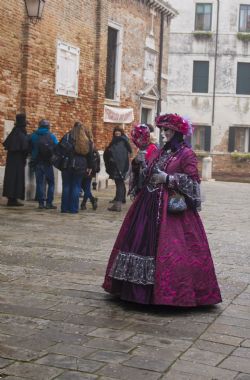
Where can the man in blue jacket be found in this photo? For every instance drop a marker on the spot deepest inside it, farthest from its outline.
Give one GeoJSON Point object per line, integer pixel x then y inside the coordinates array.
{"type": "Point", "coordinates": [43, 143]}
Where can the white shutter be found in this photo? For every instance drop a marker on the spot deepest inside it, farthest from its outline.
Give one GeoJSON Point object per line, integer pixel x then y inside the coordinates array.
{"type": "Point", "coordinates": [67, 69]}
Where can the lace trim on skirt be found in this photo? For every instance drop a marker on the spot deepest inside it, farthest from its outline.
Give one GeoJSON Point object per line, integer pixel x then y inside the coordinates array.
{"type": "Point", "coordinates": [133, 268]}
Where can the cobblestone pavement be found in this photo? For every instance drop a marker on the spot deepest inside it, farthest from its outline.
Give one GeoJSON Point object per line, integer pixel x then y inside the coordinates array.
{"type": "Point", "coordinates": [58, 323]}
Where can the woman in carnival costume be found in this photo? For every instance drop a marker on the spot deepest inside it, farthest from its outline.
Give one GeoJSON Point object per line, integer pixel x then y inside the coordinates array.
{"type": "Point", "coordinates": [161, 257]}
{"type": "Point", "coordinates": [141, 137]}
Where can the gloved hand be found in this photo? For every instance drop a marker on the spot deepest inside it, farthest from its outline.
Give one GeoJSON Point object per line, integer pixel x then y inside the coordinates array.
{"type": "Point", "coordinates": [160, 177]}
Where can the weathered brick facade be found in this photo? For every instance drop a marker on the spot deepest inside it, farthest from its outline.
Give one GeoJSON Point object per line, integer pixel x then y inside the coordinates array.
{"type": "Point", "coordinates": [28, 61]}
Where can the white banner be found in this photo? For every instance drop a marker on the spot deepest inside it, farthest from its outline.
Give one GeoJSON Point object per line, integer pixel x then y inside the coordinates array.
{"type": "Point", "coordinates": [118, 115]}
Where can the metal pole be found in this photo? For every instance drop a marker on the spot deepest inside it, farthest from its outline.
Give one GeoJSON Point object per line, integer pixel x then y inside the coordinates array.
{"type": "Point", "coordinates": [215, 60]}
{"type": "Point", "coordinates": [160, 63]}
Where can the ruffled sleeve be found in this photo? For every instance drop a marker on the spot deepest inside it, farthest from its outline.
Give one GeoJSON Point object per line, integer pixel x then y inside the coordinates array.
{"type": "Point", "coordinates": [188, 181]}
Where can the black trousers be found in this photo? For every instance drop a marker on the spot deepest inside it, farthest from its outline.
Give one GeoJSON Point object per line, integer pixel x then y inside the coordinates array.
{"type": "Point", "coordinates": [120, 195]}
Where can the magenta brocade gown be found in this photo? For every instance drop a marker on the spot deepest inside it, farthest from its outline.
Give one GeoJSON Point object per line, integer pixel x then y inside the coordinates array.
{"type": "Point", "coordinates": [161, 258]}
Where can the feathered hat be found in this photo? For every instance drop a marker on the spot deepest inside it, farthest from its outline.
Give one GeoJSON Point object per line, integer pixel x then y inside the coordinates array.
{"type": "Point", "coordinates": [140, 135]}
{"type": "Point", "coordinates": [175, 122]}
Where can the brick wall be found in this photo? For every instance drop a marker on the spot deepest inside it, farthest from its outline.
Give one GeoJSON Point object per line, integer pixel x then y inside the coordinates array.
{"type": "Point", "coordinates": [11, 31]}
{"type": "Point", "coordinates": [28, 61]}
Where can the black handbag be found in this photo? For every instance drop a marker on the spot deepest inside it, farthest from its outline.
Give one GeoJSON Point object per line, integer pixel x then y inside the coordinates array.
{"type": "Point", "coordinates": [63, 153]}
{"type": "Point", "coordinates": [176, 203]}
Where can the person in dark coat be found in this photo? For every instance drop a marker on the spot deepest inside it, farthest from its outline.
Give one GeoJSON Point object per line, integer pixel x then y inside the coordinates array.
{"type": "Point", "coordinates": [17, 146]}
{"type": "Point", "coordinates": [87, 179]}
{"type": "Point", "coordinates": [42, 163]}
{"type": "Point", "coordinates": [116, 158]}
{"type": "Point", "coordinates": [77, 164]}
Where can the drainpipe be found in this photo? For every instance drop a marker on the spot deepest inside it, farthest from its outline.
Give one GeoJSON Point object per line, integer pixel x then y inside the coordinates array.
{"type": "Point", "coordinates": [215, 59]}
{"type": "Point", "coordinates": [160, 63]}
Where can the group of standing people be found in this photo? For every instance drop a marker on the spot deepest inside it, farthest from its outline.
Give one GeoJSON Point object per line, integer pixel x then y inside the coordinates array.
{"type": "Point", "coordinates": [74, 155]}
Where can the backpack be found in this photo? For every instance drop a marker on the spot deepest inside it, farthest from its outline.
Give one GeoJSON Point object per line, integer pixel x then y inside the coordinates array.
{"type": "Point", "coordinates": [63, 153]}
{"type": "Point", "coordinates": [45, 147]}
{"type": "Point", "coordinates": [96, 161]}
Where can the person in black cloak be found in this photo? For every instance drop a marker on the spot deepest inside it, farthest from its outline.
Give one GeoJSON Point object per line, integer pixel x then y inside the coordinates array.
{"type": "Point", "coordinates": [17, 146]}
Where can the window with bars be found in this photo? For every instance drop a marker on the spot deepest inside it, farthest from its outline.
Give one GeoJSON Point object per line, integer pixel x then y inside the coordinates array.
{"type": "Point", "coordinates": [239, 139]}
{"type": "Point", "coordinates": [243, 78]}
{"type": "Point", "coordinates": [244, 19]}
{"type": "Point", "coordinates": [111, 63]}
{"type": "Point", "coordinates": [203, 17]}
{"type": "Point", "coordinates": [201, 138]}
{"type": "Point", "coordinates": [145, 115]}
{"type": "Point", "coordinates": [200, 76]}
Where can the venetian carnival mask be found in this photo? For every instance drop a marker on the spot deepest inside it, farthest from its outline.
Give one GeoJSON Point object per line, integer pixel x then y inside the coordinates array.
{"type": "Point", "coordinates": [167, 134]}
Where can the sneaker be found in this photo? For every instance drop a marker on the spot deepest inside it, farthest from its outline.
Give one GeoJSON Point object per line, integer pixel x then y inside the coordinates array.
{"type": "Point", "coordinates": [51, 207]}
{"type": "Point", "coordinates": [41, 206]}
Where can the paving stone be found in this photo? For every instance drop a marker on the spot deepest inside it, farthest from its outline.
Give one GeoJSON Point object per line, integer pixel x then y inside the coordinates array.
{"type": "Point", "coordinates": [213, 347]}
{"type": "Point", "coordinates": [127, 373]}
{"type": "Point", "coordinates": [177, 375]}
{"type": "Point", "coordinates": [17, 353]}
{"type": "Point", "coordinates": [171, 330]}
{"type": "Point", "coordinates": [237, 363]}
{"type": "Point", "coordinates": [71, 350]}
{"type": "Point", "coordinates": [96, 321]}
{"type": "Point", "coordinates": [32, 371]}
{"type": "Point", "coordinates": [156, 353]}
{"type": "Point", "coordinates": [242, 301]}
{"type": "Point", "coordinates": [61, 361]}
{"type": "Point", "coordinates": [236, 331]}
{"type": "Point", "coordinates": [5, 362]}
{"type": "Point", "coordinates": [201, 356]}
{"type": "Point", "coordinates": [112, 334]}
{"type": "Point", "coordinates": [88, 365]}
{"type": "Point", "coordinates": [233, 321]}
{"type": "Point", "coordinates": [34, 342]}
{"type": "Point", "coordinates": [72, 375]}
{"type": "Point", "coordinates": [72, 308]}
{"type": "Point", "coordinates": [16, 329]}
{"type": "Point", "coordinates": [174, 344]}
{"type": "Point", "coordinates": [246, 343]}
{"type": "Point", "coordinates": [22, 310]}
{"type": "Point", "coordinates": [111, 345]}
{"type": "Point", "coordinates": [109, 356]}
{"type": "Point", "coordinates": [204, 370]}
{"type": "Point", "coordinates": [243, 376]}
{"type": "Point", "coordinates": [237, 311]}
{"type": "Point", "coordinates": [57, 315]}
{"type": "Point", "coordinates": [243, 352]}
{"type": "Point", "coordinates": [13, 378]}
{"type": "Point", "coordinates": [220, 338]}
{"type": "Point", "coordinates": [145, 362]}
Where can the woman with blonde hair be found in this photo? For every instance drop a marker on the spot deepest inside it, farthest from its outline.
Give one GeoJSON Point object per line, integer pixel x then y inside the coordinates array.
{"type": "Point", "coordinates": [76, 164]}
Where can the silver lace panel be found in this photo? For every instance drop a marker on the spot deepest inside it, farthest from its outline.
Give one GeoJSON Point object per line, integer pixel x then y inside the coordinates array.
{"type": "Point", "coordinates": [186, 185]}
{"type": "Point", "coordinates": [133, 268]}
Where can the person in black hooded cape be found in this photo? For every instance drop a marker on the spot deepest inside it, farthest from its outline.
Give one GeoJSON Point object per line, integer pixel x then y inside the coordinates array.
{"type": "Point", "coordinates": [17, 146]}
